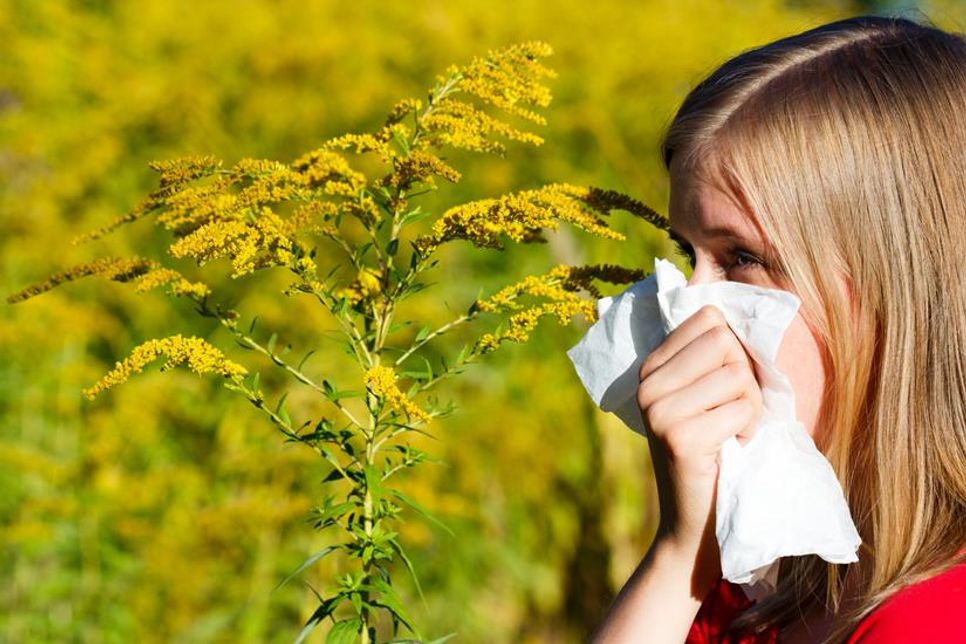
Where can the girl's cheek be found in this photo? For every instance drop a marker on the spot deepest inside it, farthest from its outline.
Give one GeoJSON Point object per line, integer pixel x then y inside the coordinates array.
{"type": "Point", "coordinates": [800, 359]}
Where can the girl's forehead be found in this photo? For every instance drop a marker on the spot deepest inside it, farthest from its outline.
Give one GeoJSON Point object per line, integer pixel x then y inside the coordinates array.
{"type": "Point", "coordinates": [700, 208]}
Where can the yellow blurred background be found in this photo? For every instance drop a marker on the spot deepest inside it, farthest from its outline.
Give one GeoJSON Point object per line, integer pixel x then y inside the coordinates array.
{"type": "Point", "coordinates": [168, 509]}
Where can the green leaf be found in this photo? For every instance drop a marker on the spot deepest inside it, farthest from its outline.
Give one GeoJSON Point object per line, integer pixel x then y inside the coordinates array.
{"type": "Point", "coordinates": [271, 342]}
{"type": "Point", "coordinates": [281, 401]}
{"type": "Point", "coordinates": [414, 389]}
{"type": "Point", "coordinates": [400, 141]}
{"type": "Point", "coordinates": [362, 250]}
{"type": "Point", "coordinates": [332, 458]}
{"type": "Point", "coordinates": [351, 393]}
{"type": "Point", "coordinates": [423, 332]}
{"type": "Point", "coordinates": [258, 374]}
{"type": "Point", "coordinates": [330, 513]}
{"type": "Point", "coordinates": [334, 475]}
{"type": "Point", "coordinates": [302, 361]}
{"type": "Point", "coordinates": [356, 600]}
{"type": "Point", "coordinates": [389, 599]}
{"type": "Point", "coordinates": [409, 564]}
{"type": "Point", "coordinates": [414, 215]}
{"type": "Point", "coordinates": [421, 510]}
{"type": "Point", "coordinates": [251, 328]}
{"type": "Point", "coordinates": [392, 246]}
{"type": "Point", "coordinates": [320, 613]}
{"type": "Point", "coordinates": [305, 564]}
{"type": "Point", "coordinates": [342, 306]}
{"type": "Point", "coordinates": [344, 632]}
{"type": "Point", "coordinates": [395, 326]}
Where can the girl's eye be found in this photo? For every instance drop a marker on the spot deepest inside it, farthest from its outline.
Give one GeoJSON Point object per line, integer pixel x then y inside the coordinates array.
{"type": "Point", "coordinates": [746, 260]}
{"type": "Point", "coordinates": [742, 260]}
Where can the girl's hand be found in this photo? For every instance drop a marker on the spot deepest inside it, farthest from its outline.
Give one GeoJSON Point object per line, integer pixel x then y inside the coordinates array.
{"type": "Point", "coordinates": [697, 389]}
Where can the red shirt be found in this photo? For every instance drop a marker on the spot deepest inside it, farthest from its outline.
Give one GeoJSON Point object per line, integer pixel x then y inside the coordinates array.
{"type": "Point", "coordinates": [933, 610]}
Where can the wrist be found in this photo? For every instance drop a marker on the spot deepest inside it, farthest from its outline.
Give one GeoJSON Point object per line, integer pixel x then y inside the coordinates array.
{"type": "Point", "coordinates": [702, 560]}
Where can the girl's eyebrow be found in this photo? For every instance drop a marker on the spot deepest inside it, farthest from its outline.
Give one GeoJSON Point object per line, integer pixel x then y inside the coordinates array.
{"type": "Point", "coordinates": [717, 231]}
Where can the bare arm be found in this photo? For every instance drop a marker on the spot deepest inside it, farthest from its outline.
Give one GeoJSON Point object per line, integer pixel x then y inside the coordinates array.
{"type": "Point", "coordinates": [697, 389]}
{"type": "Point", "coordinates": [660, 600]}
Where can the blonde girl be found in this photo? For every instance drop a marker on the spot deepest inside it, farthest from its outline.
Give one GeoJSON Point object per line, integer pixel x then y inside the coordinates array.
{"type": "Point", "coordinates": [832, 164]}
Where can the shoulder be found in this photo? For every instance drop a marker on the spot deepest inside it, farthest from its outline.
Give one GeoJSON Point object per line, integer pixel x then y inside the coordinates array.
{"type": "Point", "coordinates": [933, 610]}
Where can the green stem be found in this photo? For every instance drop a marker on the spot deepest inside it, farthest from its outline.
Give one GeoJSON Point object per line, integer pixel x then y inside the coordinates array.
{"type": "Point", "coordinates": [441, 330]}
{"type": "Point", "coordinates": [301, 377]}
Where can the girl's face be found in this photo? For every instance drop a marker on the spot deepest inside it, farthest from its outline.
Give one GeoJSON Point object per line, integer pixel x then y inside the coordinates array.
{"type": "Point", "coordinates": [723, 243]}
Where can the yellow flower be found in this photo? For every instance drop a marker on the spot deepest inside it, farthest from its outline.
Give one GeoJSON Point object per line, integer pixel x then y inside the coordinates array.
{"type": "Point", "coordinates": [115, 268]}
{"type": "Point", "coordinates": [559, 286]}
{"type": "Point", "coordinates": [175, 174]}
{"type": "Point", "coordinates": [360, 143]}
{"type": "Point", "coordinates": [460, 125]}
{"type": "Point", "coordinates": [185, 169]}
{"type": "Point", "coordinates": [201, 357]}
{"type": "Point", "coordinates": [366, 284]}
{"type": "Point", "coordinates": [381, 381]}
{"type": "Point", "coordinates": [510, 76]}
{"type": "Point", "coordinates": [330, 170]}
{"type": "Point", "coordinates": [194, 206]}
{"type": "Point", "coordinates": [179, 285]}
{"type": "Point", "coordinates": [402, 109]}
{"type": "Point", "coordinates": [508, 79]}
{"type": "Point", "coordinates": [419, 167]}
{"type": "Point", "coordinates": [520, 216]}
{"type": "Point", "coordinates": [250, 245]}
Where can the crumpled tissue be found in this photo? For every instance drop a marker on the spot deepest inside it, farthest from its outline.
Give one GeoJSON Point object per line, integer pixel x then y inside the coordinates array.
{"type": "Point", "coordinates": [777, 494]}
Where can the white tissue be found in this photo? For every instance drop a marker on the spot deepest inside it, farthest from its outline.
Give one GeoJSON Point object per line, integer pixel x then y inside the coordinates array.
{"type": "Point", "coordinates": [777, 494]}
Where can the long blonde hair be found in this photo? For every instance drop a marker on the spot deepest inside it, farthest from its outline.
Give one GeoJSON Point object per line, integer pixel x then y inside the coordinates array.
{"type": "Point", "coordinates": [846, 143]}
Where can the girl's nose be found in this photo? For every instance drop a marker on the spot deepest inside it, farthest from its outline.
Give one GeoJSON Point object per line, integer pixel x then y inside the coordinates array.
{"type": "Point", "coordinates": [703, 273]}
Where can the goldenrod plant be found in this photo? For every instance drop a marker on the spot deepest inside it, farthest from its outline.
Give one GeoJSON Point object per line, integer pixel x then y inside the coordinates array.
{"type": "Point", "coordinates": [358, 243]}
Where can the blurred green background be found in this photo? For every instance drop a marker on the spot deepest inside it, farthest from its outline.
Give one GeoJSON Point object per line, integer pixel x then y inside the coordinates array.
{"type": "Point", "coordinates": [168, 509]}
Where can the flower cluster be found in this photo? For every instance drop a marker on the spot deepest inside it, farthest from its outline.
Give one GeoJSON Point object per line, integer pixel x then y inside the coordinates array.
{"type": "Point", "coordinates": [119, 269]}
{"type": "Point", "coordinates": [364, 142]}
{"type": "Point", "coordinates": [461, 125]}
{"type": "Point", "coordinates": [419, 167]}
{"type": "Point", "coordinates": [509, 79]}
{"type": "Point", "coordinates": [520, 216]}
{"type": "Point", "coordinates": [250, 245]}
{"type": "Point", "coordinates": [178, 284]}
{"type": "Point", "coordinates": [559, 286]}
{"type": "Point", "coordinates": [381, 381]}
{"type": "Point", "coordinates": [175, 175]}
{"type": "Point", "coordinates": [182, 170]}
{"type": "Point", "coordinates": [331, 171]}
{"type": "Point", "coordinates": [201, 357]}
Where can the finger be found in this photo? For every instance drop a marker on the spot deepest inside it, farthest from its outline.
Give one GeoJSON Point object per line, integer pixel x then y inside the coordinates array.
{"type": "Point", "coordinates": [705, 318]}
{"type": "Point", "coordinates": [711, 350]}
{"type": "Point", "coordinates": [703, 435]}
{"type": "Point", "coordinates": [727, 383]}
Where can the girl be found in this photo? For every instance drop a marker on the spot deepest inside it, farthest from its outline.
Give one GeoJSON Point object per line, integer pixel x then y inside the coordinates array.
{"type": "Point", "coordinates": [831, 164]}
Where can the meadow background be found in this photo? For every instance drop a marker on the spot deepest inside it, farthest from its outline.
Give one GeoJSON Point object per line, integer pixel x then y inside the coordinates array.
{"type": "Point", "coordinates": [168, 509]}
